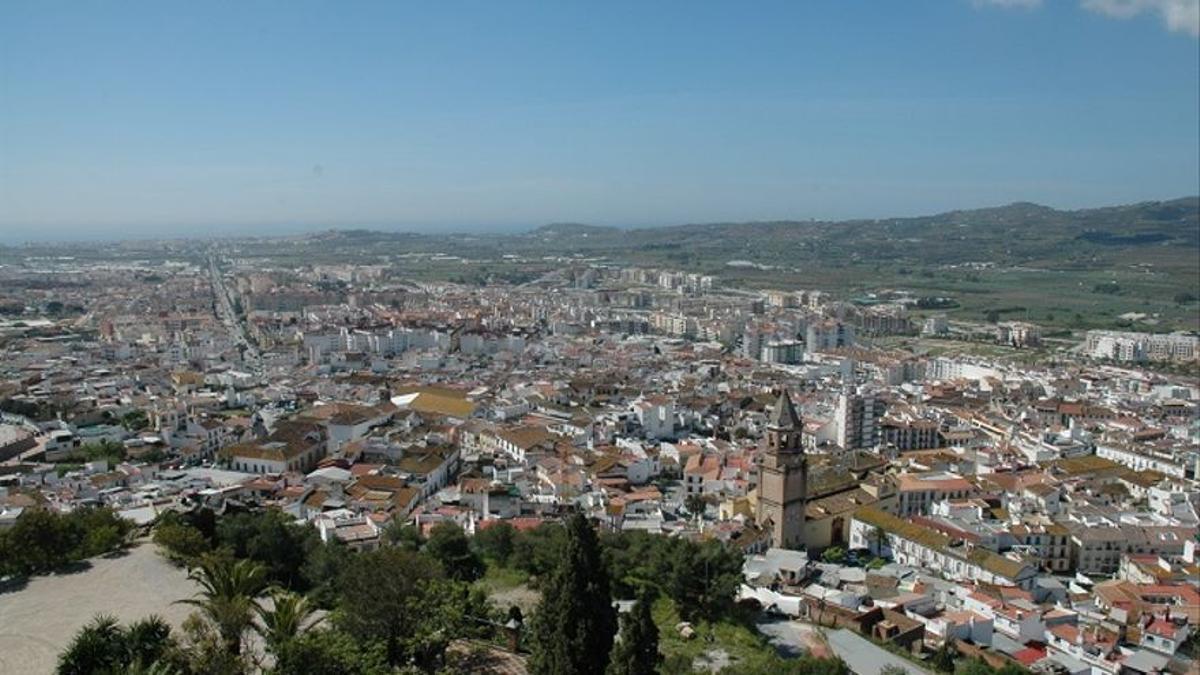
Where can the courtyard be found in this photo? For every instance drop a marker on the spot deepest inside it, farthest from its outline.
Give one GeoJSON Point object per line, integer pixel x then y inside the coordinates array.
{"type": "Point", "coordinates": [39, 617]}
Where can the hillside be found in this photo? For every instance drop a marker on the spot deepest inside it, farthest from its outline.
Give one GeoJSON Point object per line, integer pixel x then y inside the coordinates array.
{"type": "Point", "coordinates": [1131, 266]}
{"type": "Point", "coordinates": [1019, 233]}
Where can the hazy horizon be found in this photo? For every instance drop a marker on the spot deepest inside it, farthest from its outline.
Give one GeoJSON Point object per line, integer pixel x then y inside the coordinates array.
{"type": "Point", "coordinates": [147, 121]}
{"type": "Point", "coordinates": [270, 230]}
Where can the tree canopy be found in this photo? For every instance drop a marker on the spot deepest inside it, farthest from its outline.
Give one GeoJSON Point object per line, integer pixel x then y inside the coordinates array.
{"type": "Point", "coordinates": [572, 631]}
{"type": "Point", "coordinates": [42, 540]}
{"type": "Point", "coordinates": [448, 544]}
{"type": "Point", "coordinates": [636, 650]}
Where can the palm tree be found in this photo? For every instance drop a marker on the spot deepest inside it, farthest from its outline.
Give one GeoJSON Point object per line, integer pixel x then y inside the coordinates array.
{"type": "Point", "coordinates": [228, 596]}
{"type": "Point", "coordinates": [145, 640]}
{"type": "Point", "coordinates": [103, 646]}
{"type": "Point", "coordinates": [291, 613]}
{"type": "Point", "coordinates": [98, 647]}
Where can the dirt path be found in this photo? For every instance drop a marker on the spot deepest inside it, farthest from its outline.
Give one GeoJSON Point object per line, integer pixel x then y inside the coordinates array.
{"type": "Point", "coordinates": [38, 620]}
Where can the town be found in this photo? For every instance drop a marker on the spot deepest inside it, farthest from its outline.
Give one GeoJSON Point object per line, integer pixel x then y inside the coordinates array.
{"type": "Point", "coordinates": [894, 487]}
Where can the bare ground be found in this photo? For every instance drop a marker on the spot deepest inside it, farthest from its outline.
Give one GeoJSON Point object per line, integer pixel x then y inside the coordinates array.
{"type": "Point", "coordinates": [40, 618]}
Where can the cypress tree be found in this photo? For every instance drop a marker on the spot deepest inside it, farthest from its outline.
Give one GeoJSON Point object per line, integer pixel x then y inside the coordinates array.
{"type": "Point", "coordinates": [573, 629]}
{"type": "Point", "coordinates": [636, 652]}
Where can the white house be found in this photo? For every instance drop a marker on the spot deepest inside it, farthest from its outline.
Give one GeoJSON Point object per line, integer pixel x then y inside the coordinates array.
{"type": "Point", "coordinates": [910, 544]}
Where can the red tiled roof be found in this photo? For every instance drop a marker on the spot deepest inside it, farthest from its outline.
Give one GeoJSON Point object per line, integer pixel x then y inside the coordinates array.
{"type": "Point", "coordinates": [1029, 656]}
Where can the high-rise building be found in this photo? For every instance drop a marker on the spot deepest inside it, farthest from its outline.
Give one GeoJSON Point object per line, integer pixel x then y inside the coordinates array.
{"type": "Point", "coordinates": [935, 325]}
{"type": "Point", "coordinates": [858, 417]}
{"type": "Point", "coordinates": [783, 351]}
{"type": "Point", "coordinates": [829, 335]}
{"type": "Point", "coordinates": [783, 478]}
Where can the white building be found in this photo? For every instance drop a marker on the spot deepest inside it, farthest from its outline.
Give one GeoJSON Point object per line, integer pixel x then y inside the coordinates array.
{"type": "Point", "coordinates": [909, 544]}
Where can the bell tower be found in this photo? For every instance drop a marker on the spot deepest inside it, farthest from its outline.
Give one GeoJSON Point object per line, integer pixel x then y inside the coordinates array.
{"type": "Point", "coordinates": [783, 477]}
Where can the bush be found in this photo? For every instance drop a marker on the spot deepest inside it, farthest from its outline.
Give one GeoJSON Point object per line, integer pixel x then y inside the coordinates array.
{"type": "Point", "coordinates": [110, 451]}
{"type": "Point", "coordinates": [271, 538]}
{"type": "Point", "coordinates": [496, 542]}
{"type": "Point", "coordinates": [104, 646]}
{"type": "Point", "coordinates": [535, 551]}
{"type": "Point", "coordinates": [42, 541]}
{"type": "Point", "coordinates": [180, 542]}
{"type": "Point", "coordinates": [834, 554]}
{"type": "Point", "coordinates": [448, 545]}
{"type": "Point", "coordinates": [701, 578]}
{"type": "Point", "coordinates": [331, 652]}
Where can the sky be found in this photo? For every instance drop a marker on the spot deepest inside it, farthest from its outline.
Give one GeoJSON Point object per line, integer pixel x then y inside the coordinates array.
{"type": "Point", "coordinates": [163, 118]}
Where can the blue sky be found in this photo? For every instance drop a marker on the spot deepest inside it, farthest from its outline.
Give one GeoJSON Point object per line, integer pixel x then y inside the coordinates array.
{"type": "Point", "coordinates": [154, 118]}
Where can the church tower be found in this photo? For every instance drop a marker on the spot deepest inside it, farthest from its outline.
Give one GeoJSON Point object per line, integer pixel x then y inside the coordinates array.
{"type": "Point", "coordinates": [783, 478]}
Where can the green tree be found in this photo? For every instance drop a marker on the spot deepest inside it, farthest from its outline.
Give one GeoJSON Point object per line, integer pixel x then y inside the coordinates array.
{"type": "Point", "coordinates": [228, 597]}
{"type": "Point", "coordinates": [331, 652]}
{"type": "Point", "coordinates": [179, 541]}
{"type": "Point", "coordinates": [98, 647]}
{"type": "Point", "coordinates": [695, 505]}
{"type": "Point", "coordinates": [103, 647]}
{"type": "Point", "coordinates": [636, 650]}
{"type": "Point", "coordinates": [449, 545]}
{"type": "Point", "coordinates": [135, 420]}
{"type": "Point", "coordinates": [572, 630]}
{"type": "Point", "coordinates": [8, 556]}
{"type": "Point", "coordinates": [101, 530]}
{"type": "Point", "coordinates": [834, 554]}
{"type": "Point", "coordinates": [535, 551]}
{"type": "Point", "coordinates": [271, 538]}
{"type": "Point", "coordinates": [402, 535]}
{"type": "Point", "coordinates": [41, 541]}
{"type": "Point", "coordinates": [450, 609]}
{"type": "Point", "coordinates": [382, 595]}
{"type": "Point", "coordinates": [148, 641]}
{"type": "Point", "coordinates": [110, 451]}
{"type": "Point", "coordinates": [638, 560]}
{"type": "Point", "coordinates": [496, 542]}
{"type": "Point", "coordinates": [322, 570]}
{"type": "Point", "coordinates": [102, 540]}
{"type": "Point", "coordinates": [289, 615]}
{"type": "Point", "coordinates": [703, 578]}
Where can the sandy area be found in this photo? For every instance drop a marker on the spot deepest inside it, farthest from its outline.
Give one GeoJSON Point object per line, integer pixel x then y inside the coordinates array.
{"type": "Point", "coordinates": [794, 638]}
{"type": "Point", "coordinates": [38, 620]}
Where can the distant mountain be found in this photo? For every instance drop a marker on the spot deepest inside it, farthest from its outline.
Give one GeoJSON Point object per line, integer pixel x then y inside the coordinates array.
{"type": "Point", "coordinates": [1162, 235]}
{"type": "Point", "coordinates": [573, 230]}
{"type": "Point", "coordinates": [1016, 233]}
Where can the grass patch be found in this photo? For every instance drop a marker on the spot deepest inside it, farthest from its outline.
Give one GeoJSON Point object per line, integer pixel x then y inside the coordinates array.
{"type": "Point", "coordinates": [498, 578]}
{"type": "Point", "coordinates": [748, 651]}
